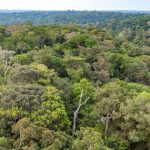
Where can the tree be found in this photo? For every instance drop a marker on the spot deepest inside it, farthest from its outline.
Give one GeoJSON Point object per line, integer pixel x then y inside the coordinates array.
{"type": "Point", "coordinates": [135, 70]}
{"type": "Point", "coordinates": [100, 72]}
{"type": "Point", "coordinates": [81, 40]}
{"type": "Point", "coordinates": [43, 105]}
{"type": "Point", "coordinates": [51, 113]}
{"type": "Point", "coordinates": [75, 67]}
{"type": "Point", "coordinates": [136, 114]}
{"type": "Point", "coordinates": [75, 114]}
{"type": "Point", "coordinates": [24, 59]}
{"type": "Point", "coordinates": [6, 58]}
{"type": "Point", "coordinates": [83, 91]}
{"type": "Point", "coordinates": [29, 136]}
{"type": "Point", "coordinates": [108, 102]}
{"type": "Point", "coordinates": [89, 139]}
{"type": "Point", "coordinates": [5, 143]}
{"type": "Point", "coordinates": [34, 73]}
{"type": "Point", "coordinates": [115, 142]}
{"type": "Point", "coordinates": [49, 58]}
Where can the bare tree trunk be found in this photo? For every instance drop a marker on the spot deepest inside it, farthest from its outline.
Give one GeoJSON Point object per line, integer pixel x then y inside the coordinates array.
{"type": "Point", "coordinates": [107, 124]}
{"type": "Point", "coordinates": [106, 127]}
{"type": "Point", "coordinates": [74, 123]}
{"type": "Point", "coordinates": [5, 71]}
{"type": "Point", "coordinates": [75, 114]}
{"type": "Point", "coordinates": [90, 147]}
{"type": "Point", "coordinates": [21, 142]}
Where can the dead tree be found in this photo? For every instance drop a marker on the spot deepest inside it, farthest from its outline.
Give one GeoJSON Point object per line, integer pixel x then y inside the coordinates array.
{"type": "Point", "coordinates": [76, 112]}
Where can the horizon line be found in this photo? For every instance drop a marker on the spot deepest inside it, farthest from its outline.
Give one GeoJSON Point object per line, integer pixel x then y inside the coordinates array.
{"type": "Point", "coordinates": [72, 10]}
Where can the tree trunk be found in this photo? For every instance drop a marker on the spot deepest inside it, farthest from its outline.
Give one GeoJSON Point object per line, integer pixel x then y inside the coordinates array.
{"type": "Point", "coordinates": [107, 124]}
{"type": "Point", "coordinates": [75, 114]}
{"type": "Point", "coordinates": [74, 124]}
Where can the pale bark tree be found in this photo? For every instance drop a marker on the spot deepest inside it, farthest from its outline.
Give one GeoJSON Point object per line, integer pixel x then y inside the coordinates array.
{"type": "Point", "coordinates": [6, 58]}
{"type": "Point", "coordinates": [107, 117]}
{"type": "Point", "coordinates": [76, 112]}
{"type": "Point", "coordinates": [106, 120]}
{"type": "Point", "coordinates": [21, 142]}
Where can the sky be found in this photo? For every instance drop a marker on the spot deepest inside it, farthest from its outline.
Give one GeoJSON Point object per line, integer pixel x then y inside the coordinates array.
{"type": "Point", "coordinates": [75, 4]}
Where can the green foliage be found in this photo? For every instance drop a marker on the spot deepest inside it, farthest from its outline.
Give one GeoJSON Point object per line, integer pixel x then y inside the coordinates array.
{"type": "Point", "coordinates": [42, 104]}
{"type": "Point", "coordinates": [5, 143]}
{"type": "Point", "coordinates": [103, 19]}
{"type": "Point", "coordinates": [29, 136]}
{"type": "Point", "coordinates": [117, 143]}
{"type": "Point", "coordinates": [88, 138]}
{"type": "Point", "coordinates": [74, 67]}
{"type": "Point", "coordinates": [136, 116]}
{"type": "Point", "coordinates": [34, 73]}
{"type": "Point", "coordinates": [49, 58]}
{"type": "Point", "coordinates": [95, 77]}
{"type": "Point", "coordinates": [86, 86]}
{"type": "Point", "coordinates": [24, 59]}
{"type": "Point", "coordinates": [51, 113]}
{"type": "Point", "coordinates": [81, 40]}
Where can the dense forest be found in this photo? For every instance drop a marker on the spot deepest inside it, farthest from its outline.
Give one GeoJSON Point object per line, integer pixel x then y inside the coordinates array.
{"type": "Point", "coordinates": [78, 81]}
{"type": "Point", "coordinates": [70, 16]}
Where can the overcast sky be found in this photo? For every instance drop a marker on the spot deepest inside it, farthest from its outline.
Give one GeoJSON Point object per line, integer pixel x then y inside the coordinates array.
{"type": "Point", "coordinates": [76, 4]}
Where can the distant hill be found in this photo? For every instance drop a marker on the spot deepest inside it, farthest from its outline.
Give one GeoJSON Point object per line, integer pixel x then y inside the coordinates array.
{"type": "Point", "coordinates": [9, 17]}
